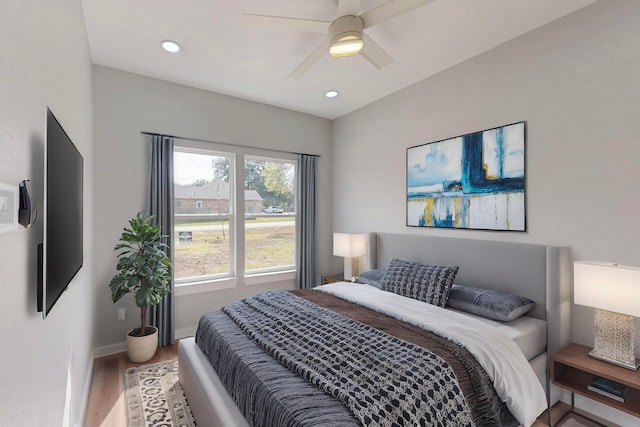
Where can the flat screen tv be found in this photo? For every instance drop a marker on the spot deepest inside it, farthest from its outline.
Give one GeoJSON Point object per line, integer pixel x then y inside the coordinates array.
{"type": "Point", "coordinates": [61, 252]}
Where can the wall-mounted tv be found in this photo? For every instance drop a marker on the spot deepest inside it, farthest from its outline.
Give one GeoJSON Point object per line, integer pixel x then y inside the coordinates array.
{"type": "Point", "coordinates": [61, 252]}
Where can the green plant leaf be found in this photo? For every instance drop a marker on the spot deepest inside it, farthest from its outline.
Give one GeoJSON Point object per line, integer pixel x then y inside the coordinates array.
{"type": "Point", "coordinates": [143, 266]}
{"type": "Point", "coordinates": [118, 288]}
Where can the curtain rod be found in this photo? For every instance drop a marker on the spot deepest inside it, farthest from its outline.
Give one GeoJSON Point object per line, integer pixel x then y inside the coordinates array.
{"type": "Point", "coordinates": [224, 143]}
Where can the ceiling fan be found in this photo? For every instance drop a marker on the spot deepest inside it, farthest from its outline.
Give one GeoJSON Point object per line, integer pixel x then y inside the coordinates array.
{"type": "Point", "coordinates": [345, 35]}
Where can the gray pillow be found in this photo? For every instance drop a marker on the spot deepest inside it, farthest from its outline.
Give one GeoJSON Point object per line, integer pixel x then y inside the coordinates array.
{"type": "Point", "coordinates": [428, 283]}
{"type": "Point", "coordinates": [488, 303]}
{"type": "Point", "coordinates": [372, 277]}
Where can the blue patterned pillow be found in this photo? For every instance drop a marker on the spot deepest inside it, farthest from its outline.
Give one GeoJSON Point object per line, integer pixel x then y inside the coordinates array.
{"type": "Point", "coordinates": [488, 303]}
{"type": "Point", "coordinates": [428, 283]}
{"type": "Point", "coordinates": [372, 277]}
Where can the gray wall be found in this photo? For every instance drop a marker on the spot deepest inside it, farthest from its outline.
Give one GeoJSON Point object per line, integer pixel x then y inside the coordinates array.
{"type": "Point", "coordinates": [45, 62]}
{"type": "Point", "coordinates": [576, 83]}
{"type": "Point", "coordinates": [126, 104]}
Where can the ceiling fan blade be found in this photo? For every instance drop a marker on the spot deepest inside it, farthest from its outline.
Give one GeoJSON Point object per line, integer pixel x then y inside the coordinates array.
{"type": "Point", "coordinates": [374, 53]}
{"type": "Point", "coordinates": [310, 60]}
{"type": "Point", "coordinates": [284, 23]}
{"type": "Point", "coordinates": [348, 7]}
{"type": "Point", "coordinates": [390, 10]}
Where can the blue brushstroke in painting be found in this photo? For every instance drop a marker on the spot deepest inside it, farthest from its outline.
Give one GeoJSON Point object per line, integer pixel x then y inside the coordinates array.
{"type": "Point", "coordinates": [431, 173]}
{"type": "Point", "coordinates": [474, 180]}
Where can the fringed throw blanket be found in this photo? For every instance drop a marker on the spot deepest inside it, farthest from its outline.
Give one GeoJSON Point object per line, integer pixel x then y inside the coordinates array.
{"type": "Point", "coordinates": [380, 378]}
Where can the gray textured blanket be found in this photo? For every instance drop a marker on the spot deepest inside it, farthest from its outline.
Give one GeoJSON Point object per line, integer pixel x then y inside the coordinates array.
{"type": "Point", "coordinates": [383, 380]}
{"type": "Point", "coordinates": [267, 393]}
{"type": "Point", "coordinates": [270, 392]}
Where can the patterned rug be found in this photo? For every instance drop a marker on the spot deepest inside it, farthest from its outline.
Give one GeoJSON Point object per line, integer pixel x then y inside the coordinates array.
{"type": "Point", "coordinates": [154, 396]}
{"type": "Point", "coordinates": [571, 422]}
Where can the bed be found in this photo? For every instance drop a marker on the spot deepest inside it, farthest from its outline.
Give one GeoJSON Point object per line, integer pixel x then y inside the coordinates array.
{"type": "Point", "coordinates": [538, 272]}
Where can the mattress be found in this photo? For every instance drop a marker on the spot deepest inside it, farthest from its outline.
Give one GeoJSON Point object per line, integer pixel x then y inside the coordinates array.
{"type": "Point", "coordinates": [529, 333]}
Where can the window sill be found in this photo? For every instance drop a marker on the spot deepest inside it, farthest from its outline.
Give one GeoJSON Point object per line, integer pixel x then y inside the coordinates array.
{"type": "Point", "coordinates": [232, 282]}
{"type": "Point", "coordinates": [262, 278]}
{"type": "Point", "coordinates": [205, 286]}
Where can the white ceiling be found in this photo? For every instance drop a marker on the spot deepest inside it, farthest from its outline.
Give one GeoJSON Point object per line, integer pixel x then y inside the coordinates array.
{"type": "Point", "coordinates": [222, 53]}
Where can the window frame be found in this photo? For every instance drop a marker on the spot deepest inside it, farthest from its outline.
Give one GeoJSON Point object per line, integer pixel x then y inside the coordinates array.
{"type": "Point", "coordinates": [238, 155]}
{"type": "Point", "coordinates": [285, 268]}
{"type": "Point", "coordinates": [230, 274]}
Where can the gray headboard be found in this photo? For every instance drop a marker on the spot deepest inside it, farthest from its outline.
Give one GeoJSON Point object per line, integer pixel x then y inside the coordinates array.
{"type": "Point", "coordinates": [539, 272]}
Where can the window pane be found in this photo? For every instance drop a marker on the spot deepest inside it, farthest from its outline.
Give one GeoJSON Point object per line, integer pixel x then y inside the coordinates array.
{"type": "Point", "coordinates": [269, 202]}
{"type": "Point", "coordinates": [202, 209]}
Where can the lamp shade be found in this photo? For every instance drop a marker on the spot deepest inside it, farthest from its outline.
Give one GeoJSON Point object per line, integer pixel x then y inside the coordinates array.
{"type": "Point", "coordinates": [349, 245]}
{"type": "Point", "coordinates": [607, 286]}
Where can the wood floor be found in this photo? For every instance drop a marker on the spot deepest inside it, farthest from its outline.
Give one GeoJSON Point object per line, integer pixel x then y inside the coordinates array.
{"type": "Point", "coordinates": [560, 408]}
{"type": "Point", "coordinates": [105, 405]}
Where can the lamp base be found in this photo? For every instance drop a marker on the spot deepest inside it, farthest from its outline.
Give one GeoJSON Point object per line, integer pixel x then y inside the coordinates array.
{"type": "Point", "coordinates": [351, 269]}
{"type": "Point", "coordinates": [614, 339]}
{"type": "Point", "coordinates": [634, 366]}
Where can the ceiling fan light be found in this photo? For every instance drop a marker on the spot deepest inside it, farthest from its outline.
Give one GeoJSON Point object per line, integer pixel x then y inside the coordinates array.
{"type": "Point", "coordinates": [346, 46]}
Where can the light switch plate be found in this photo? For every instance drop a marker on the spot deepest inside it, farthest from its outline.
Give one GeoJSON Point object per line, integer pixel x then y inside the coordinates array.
{"type": "Point", "coordinates": [8, 207]}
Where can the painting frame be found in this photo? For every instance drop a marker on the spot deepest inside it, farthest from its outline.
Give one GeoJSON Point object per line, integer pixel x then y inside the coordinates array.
{"type": "Point", "coordinates": [474, 181]}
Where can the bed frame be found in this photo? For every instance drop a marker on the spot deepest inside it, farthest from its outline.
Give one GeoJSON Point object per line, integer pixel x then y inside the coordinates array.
{"type": "Point", "coordinates": [539, 272]}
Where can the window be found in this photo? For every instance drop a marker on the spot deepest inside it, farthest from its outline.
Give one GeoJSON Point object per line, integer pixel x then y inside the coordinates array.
{"type": "Point", "coordinates": [206, 254]}
{"type": "Point", "coordinates": [211, 242]}
{"type": "Point", "coordinates": [270, 225]}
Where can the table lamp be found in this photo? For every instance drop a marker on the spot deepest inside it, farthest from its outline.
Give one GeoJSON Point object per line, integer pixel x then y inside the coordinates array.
{"type": "Point", "coordinates": [350, 246]}
{"type": "Point", "coordinates": [614, 291]}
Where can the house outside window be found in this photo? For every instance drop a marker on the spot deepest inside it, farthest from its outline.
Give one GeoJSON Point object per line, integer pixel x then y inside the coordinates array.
{"type": "Point", "coordinates": [202, 208]}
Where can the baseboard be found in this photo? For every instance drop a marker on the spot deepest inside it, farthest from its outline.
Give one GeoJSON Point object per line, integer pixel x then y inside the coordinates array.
{"type": "Point", "coordinates": [122, 346]}
{"type": "Point", "coordinates": [109, 350]}
{"type": "Point", "coordinates": [79, 422]}
{"type": "Point", "coordinates": [185, 332]}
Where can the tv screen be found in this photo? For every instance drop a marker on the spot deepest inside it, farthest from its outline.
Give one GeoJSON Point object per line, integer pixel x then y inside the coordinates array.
{"type": "Point", "coordinates": [60, 255]}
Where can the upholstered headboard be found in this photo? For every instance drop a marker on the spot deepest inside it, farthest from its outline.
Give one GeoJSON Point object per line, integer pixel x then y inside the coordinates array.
{"type": "Point", "coordinates": [539, 272]}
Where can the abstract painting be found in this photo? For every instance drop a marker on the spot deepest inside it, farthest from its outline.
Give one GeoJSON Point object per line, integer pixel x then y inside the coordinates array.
{"type": "Point", "coordinates": [474, 181]}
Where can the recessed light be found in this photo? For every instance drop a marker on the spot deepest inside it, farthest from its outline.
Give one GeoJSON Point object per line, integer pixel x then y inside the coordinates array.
{"type": "Point", "coordinates": [170, 46]}
{"type": "Point", "coordinates": [332, 94]}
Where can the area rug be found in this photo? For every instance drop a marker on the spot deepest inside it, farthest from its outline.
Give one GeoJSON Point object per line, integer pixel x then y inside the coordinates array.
{"type": "Point", "coordinates": [154, 396]}
{"type": "Point", "coordinates": [572, 423]}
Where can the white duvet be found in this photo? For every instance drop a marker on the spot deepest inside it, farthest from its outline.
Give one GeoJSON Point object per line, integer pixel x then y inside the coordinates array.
{"type": "Point", "coordinates": [512, 376]}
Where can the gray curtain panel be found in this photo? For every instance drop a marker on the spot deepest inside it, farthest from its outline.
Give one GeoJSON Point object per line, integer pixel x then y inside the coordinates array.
{"type": "Point", "coordinates": [162, 315]}
{"type": "Point", "coordinates": [306, 221]}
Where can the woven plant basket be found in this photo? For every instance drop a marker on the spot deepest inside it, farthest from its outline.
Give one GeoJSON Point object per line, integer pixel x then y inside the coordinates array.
{"type": "Point", "coordinates": [141, 349]}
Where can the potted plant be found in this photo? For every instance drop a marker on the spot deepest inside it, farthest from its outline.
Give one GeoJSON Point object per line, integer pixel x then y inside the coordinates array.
{"type": "Point", "coordinates": [144, 270]}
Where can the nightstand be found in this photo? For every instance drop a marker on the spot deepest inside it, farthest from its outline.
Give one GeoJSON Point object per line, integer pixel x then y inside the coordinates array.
{"type": "Point", "coordinates": [573, 370]}
{"type": "Point", "coordinates": [325, 280]}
